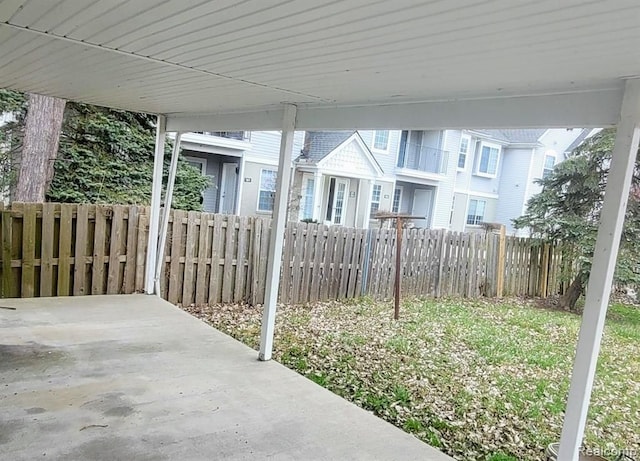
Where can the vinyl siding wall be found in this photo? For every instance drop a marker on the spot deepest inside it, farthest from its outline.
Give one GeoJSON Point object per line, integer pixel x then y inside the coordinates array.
{"type": "Point", "coordinates": [516, 167]}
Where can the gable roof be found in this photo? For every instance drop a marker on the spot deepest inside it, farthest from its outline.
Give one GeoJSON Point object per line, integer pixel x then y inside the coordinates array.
{"type": "Point", "coordinates": [579, 140]}
{"type": "Point", "coordinates": [515, 136]}
{"type": "Point", "coordinates": [319, 144]}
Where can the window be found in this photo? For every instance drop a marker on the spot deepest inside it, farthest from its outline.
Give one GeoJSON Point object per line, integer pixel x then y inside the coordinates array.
{"type": "Point", "coordinates": [381, 140]}
{"type": "Point", "coordinates": [475, 215]}
{"type": "Point", "coordinates": [397, 199]}
{"type": "Point", "coordinates": [488, 164]}
{"type": "Point", "coordinates": [267, 190]}
{"type": "Point", "coordinates": [306, 205]}
{"type": "Point", "coordinates": [465, 141]}
{"type": "Point", "coordinates": [199, 164]}
{"type": "Point", "coordinates": [549, 163]}
{"type": "Point", "coordinates": [375, 198]}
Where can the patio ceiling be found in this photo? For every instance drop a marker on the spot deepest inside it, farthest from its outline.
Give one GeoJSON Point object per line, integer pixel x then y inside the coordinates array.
{"type": "Point", "coordinates": [420, 64]}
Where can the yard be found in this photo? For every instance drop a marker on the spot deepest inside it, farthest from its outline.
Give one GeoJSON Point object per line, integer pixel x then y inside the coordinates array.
{"type": "Point", "coordinates": [481, 380]}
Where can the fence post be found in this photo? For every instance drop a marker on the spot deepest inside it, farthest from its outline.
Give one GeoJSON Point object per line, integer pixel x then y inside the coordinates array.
{"type": "Point", "coordinates": [7, 282]}
{"type": "Point", "coordinates": [544, 273]}
{"type": "Point", "coordinates": [501, 262]}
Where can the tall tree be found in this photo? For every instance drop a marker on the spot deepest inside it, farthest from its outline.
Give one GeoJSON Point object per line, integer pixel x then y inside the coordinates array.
{"type": "Point", "coordinates": [567, 209]}
{"type": "Point", "coordinates": [104, 156]}
{"type": "Point", "coordinates": [39, 146]}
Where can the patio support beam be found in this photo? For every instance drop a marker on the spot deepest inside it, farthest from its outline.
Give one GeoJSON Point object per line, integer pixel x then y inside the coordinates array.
{"type": "Point", "coordinates": [166, 211]}
{"type": "Point", "coordinates": [601, 277]}
{"type": "Point", "coordinates": [276, 239]}
{"type": "Point", "coordinates": [154, 214]}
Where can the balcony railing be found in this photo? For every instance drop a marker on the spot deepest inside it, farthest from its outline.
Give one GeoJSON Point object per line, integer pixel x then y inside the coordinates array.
{"type": "Point", "coordinates": [237, 135]}
{"type": "Point", "coordinates": [424, 159]}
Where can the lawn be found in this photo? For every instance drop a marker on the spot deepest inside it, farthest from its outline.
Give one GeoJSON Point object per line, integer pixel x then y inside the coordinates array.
{"type": "Point", "coordinates": [481, 379]}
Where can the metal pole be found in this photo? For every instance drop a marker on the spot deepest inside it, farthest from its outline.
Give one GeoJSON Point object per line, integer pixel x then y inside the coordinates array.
{"type": "Point", "coordinates": [168, 197]}
{"type": "Point", "coordinates": [604, 262]}
{"type": "Point", "coordinates": [276, 239]}
{"type": "Point", "coordinates": [396, 311]}
{"type": "Point", "coordinates": [154, 214]}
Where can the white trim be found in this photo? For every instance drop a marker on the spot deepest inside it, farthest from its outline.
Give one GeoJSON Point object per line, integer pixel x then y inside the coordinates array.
{"type": "Point", "coordinates": [303, 189]}
{"type": "Point", "coordinates": [154, 212]}
{"type": "Point", "coordinates": [373, 142]}
{"type": "Point", "coordinates": [466, 155]}
{"type": "Point", "coordinates": [590, 109]}
{"type": "Point", "coordinates": [276, 238]}
{"type": "Point", "coordinates": [548, 153]}
{"type": "Point", "coordinates": [601, 277]}
{"type": "Point", "coordinates": [365, 150]}
{"type": "Point", "coordinates": [254, 158]}
{"type": "Point", "coordinates": [484, 211]}
{"type": "Point", "coordinates": [202, 161]}
{"type": "Point", "coordinates": [401, 188]}
{"type": "Point", "coordinates": [478, 160]}
{"type": "Point", "coordinates": [260, 189]}
{"type": "Point", "coordinates": [476, 194]}
{"type": "Point", "coordinates": [240, 185]}
{"type": "Point", "coordinates": [317, 195]}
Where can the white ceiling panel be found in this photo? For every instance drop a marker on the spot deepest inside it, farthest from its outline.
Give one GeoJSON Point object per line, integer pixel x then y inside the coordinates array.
{"type": "Point", "coordinates": [221, 56]}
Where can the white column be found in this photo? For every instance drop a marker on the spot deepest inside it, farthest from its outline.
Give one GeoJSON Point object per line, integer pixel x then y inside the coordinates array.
{"type": "Point", "coordinates": [154, 214]}
{"type": "Point", "coordinates": [318, 180]}
{"type": "Point", "coordinates": [601, 277]}
{"type": "Point", "coordinates": [239, 186]}
{"type": "Point", "coordinates": [164, 226]}
{"type": "Point", "coordinates": [276, 239]}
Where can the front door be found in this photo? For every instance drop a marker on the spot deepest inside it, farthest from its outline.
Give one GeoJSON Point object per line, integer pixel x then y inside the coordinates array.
{"type": "Point", "coordinates": [228, 187]}
{"type": "Point", "coordinates": [337, 200]}
{"type": "Point", "coordinates": [422, 204]}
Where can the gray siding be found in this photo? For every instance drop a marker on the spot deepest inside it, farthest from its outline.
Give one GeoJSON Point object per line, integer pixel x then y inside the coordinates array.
{"type": "Point", "coordinates": [513, 185]}
{"type": "Point", "coordinates": [387, 161]}
{"type": "Point", "coordinates": [265, 146]}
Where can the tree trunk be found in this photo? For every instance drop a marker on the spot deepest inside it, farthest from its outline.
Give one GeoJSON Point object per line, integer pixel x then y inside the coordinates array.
{"type": "Point", "coordinates": [569, 299]}
{"type": "Point", "coordinates": [39, 147]}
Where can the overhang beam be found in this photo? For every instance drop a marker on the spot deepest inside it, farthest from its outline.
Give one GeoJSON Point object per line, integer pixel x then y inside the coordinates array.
{"type": "Point", "coordinates": [597, 108]}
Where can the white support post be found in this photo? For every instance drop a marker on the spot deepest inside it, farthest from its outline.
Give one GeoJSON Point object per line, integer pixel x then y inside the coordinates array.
{"type": "Point", "coordinates": [601, 277]}
{"type": "Point", "coordinates": [164, 225]}
{"type": "Point", "coordinates": [278, 224]}
{"type": "Point", "coordinates": [154, 215]}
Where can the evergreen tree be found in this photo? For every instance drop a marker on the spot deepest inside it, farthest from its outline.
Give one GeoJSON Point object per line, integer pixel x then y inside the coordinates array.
{"type": "Point", "coordinates": [105, 156]}
{"type": "Point", "coordinates": [567, 209]}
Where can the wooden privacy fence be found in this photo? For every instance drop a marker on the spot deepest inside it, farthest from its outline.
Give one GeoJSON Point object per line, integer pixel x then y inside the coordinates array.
{"type": "Point", "coordinates": [66, 249]}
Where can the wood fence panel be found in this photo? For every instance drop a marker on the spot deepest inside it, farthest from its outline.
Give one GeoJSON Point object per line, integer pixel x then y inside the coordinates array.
{"type": "Point", "coordinates": [50, 249]}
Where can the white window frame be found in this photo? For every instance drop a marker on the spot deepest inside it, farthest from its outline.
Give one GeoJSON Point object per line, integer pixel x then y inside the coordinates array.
{"type": "Point", "coordinates": [260, 189]}
{"type": "Point", "coordinates": [401, 189]}
{"type": "Point", "coordinates": [489, 145]}
{"type": "Point", "coordinates": [373, 143]}
{"type": "Point", "coordinates": [466, 154]}
{"type": "Point", "coordinates": [484, 212]}
{"type": "Point", "coordinates": [201, 161]}
{"type": "Point", "coordinates": [544, 163]}
{"type": "Point", "coordinates": [305, 193]}
{"type": "Point", "coordinates": [373, 193]}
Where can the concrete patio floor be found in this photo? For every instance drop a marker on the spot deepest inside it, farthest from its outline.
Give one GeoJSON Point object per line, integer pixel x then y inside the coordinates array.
{"type": "Point", "coordinates": [135, 378]}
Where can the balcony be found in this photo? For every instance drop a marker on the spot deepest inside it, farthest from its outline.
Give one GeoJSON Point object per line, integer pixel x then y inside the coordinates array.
{"type": "Point", "coordinates": [423, 159]}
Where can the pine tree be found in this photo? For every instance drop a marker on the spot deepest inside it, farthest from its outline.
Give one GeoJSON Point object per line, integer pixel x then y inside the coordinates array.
{"type": "Point", "coordinates": [567, 209]}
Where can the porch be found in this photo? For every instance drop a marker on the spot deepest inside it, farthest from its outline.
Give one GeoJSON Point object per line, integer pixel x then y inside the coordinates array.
{"type": "Point", "coordinates": [133, 377]}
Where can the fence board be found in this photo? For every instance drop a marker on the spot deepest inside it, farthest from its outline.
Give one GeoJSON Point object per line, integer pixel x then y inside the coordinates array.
{"type": "Point", "coordinates": [202, 252]}
{"type": "Point", "coordinates": [28, 249]}
{"type": "Point", "coordinates": [241, 258]}
{"type": "Point", "coordinates": [115, 250]}
{"type": "Point", "coordinates": [7, 241]}
{"type": "Point", "coordinates": [46, 257]}
{"type": "Point", "coordinates": [132, 247]}
{"type": "Point", "coordinates": [188, 280]}
{"type": "Point", "coordinates": [64, 252]}
{"type": "Point", "coordinates": [80, 263]}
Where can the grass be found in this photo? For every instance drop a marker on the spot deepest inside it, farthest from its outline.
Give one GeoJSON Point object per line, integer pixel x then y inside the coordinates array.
{"type": "Point", "coordinates": [481, 380]}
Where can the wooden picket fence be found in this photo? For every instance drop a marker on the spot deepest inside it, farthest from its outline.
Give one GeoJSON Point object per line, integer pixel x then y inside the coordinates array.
{"type": "Point", "coordinates": [56, 249]}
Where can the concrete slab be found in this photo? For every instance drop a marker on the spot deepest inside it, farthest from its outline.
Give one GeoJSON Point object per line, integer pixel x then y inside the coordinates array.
{"type": "Point", "coordinates": [135, 378]}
